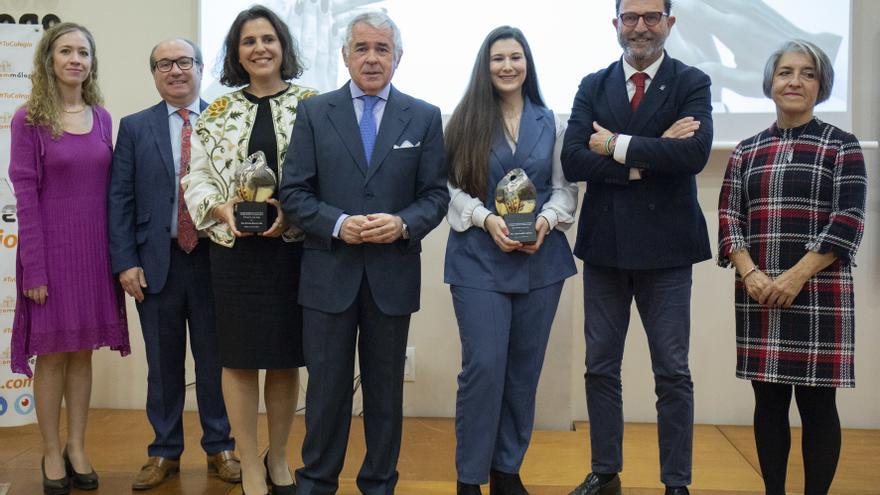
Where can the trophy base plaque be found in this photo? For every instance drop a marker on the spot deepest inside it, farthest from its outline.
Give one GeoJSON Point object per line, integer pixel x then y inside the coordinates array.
{"type": "Point", "coordinates": [521, 227]}
{"type": "Point", "coordinates": [254, 216]}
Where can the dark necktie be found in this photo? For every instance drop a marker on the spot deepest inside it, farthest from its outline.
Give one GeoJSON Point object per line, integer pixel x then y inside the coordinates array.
{"type": "Point", "coordinates": [368, 125]}
{"type": "Point", "coordinates": [638, 79]}
{"type": "Point", "coordinates": [187, 236]}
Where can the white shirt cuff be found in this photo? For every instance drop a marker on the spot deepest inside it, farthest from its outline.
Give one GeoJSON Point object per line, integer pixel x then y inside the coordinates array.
{"type": "Point", "coordinates": [621, 147]}
{"type": "Point", "coordinates": [338, 226]}
{"type": "Point", "coordinates": [478, 217]}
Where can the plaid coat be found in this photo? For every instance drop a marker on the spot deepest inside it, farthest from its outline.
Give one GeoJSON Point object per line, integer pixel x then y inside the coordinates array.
{"type": "Point", "coordinates": [785, 192]}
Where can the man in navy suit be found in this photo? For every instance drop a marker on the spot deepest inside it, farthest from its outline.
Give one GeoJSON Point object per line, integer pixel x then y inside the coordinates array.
{"type": "Point", "coordinates": [366, 179]}
{"type": "Point", "coordinates": [164, 265]}
{"type": "Point", "coordinates": [640, 131]}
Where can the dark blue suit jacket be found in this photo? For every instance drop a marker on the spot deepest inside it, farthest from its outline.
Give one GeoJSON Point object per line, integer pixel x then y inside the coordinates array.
{"type": "Point", "coordinates": [141, 197]}
{"type": "Point", "coordinates": [472, 257]}
{"type": "Point", "coordinates": [655, 222]}
{"type": "Point", "coordinates": [326, 174]}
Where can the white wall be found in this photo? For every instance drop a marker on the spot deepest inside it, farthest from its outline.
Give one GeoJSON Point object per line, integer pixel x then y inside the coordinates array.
{"type": "Point", "coordinates": [125, 32]}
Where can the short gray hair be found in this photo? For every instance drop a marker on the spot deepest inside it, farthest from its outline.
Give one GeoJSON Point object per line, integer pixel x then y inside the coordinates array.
{"type": "Point", "coordinates": [824, 68]}
{"type": "Point", "coordinates": [378, 20]}
{"type": "Point", "coordinates": [197, 52]}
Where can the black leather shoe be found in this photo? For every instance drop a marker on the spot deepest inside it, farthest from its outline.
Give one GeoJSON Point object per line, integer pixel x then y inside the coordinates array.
{"type": "Point", "coordinates": [505, 484]}
{"type": "Point", "coordinates": [277, 489]}
{"type": "Point", "coordinates": [54, 487]}
{"type": "Point", "coordinates": [467, 489]}
{"type": "Point", "coordinates": [677, 490]}
{"type": "Point", "coordinates": [592, 485]}
{"type": "Point", "coordinates": [88, 481]}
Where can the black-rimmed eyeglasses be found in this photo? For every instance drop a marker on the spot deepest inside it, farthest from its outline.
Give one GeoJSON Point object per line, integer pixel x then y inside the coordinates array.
{"type": "Point", "coordinates": [183, 63]}
{"type": "Point", "coordinates": [630, 19]}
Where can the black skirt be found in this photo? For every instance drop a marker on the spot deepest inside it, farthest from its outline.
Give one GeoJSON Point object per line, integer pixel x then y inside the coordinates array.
{"type": "Point", "coordinates": [259, 322]}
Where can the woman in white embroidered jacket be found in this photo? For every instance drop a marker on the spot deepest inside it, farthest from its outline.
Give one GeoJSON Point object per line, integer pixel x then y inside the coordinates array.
{"type": "Point", "coordinates": [255, 277]}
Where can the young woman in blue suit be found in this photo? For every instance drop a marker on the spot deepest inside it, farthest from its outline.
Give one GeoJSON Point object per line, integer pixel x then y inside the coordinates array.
{"type": "Point", "coordinates": [505, 293]}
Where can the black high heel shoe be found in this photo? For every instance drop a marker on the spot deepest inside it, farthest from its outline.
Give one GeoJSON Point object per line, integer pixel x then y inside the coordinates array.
{"type": "Point", "coordinates": [87, 481]}
{"type": "Point", "coordinates": [54, 487]}
{"type": "Point", "coordinates": [277, 489]}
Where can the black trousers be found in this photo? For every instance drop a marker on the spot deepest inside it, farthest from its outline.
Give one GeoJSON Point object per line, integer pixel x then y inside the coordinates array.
{"type": "Point", "coordinates": [821, 434]}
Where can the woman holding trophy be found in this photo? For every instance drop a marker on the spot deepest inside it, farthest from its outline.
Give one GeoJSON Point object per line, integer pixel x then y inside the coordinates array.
{"type": "Point", "coordinates": [237, 145]}
{"type": "Point", "coordinates": [505, 265]}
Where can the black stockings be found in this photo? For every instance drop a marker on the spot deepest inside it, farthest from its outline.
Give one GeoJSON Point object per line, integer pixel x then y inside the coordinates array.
{"type": "Point", "coordinates": [821, 435]}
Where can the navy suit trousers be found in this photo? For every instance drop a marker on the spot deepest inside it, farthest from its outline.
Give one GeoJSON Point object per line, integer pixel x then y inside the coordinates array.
{"type": "Point", "coordinates": [503, 341]}
{"type": "Point", "coordinates": [663, 298]}
{"type": "Point", "coordinates": [329, 341]}
{"type": "Point", "coordinates": [186, 297]}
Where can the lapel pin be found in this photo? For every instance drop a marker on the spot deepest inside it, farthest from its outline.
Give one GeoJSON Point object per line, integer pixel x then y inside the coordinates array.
{"type": "Point", "coordinates": [662, 87]}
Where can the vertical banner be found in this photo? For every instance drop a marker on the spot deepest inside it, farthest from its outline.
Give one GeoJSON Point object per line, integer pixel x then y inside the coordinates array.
{"type": "Point", "coordinates": [17, 45]}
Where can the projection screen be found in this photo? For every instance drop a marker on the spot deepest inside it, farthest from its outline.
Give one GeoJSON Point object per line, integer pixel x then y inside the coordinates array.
{"type": "Point", "coordinates": [728, 39]}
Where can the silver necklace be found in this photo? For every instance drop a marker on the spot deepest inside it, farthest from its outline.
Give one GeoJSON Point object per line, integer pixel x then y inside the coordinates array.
{"type": "Point", "coordinates": [791, 141]}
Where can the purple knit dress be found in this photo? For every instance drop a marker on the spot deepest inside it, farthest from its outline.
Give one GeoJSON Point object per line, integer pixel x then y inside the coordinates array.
{"type": "Point", "coordinates": [61, 195]}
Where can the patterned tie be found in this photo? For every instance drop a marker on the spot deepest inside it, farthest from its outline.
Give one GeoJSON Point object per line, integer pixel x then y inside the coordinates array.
{"type": "Point", "coordinates": [368, 125]}
{"type": "Point", "coordinates": [638, 79]}
{"type": "Point", "coordinates": [187, 237]}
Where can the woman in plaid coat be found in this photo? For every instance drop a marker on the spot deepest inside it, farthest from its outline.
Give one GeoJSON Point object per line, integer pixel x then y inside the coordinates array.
{"type": "Point", "coordinates": [791, 215]}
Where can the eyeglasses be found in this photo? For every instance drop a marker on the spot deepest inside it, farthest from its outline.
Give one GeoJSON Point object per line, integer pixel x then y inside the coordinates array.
{"type": "Point", "coordinates": [183, 63]}
{"type": "Point", "coordinates": [630, 19]}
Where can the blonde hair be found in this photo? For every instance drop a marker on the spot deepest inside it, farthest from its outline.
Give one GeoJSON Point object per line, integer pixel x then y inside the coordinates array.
{"type": "Point", "coordinates": [44, 103]}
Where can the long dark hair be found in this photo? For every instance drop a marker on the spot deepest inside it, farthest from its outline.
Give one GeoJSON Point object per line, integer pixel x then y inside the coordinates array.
{"type": "Point", "coordinates": [233, 74]}
{"type": "Point", "coordinates": [471, 128]}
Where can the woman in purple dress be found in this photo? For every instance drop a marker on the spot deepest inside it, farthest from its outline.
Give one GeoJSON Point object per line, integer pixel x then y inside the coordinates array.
{"type": "Point", "coordinates": [68, 302]}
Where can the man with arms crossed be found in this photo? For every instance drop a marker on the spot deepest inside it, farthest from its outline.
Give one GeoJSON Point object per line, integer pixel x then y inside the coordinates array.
{"type": "Point", "coordinates": [366, 179]}
{"type": "Point", "coordinates": [640, 131]}
{"type": "Point", "coordinates": [164, 265]}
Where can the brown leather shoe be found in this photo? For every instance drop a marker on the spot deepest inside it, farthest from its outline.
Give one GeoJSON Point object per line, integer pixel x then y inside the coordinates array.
{"type": "Point", "coordinates": [154, 472]}
{"type": "Point", "coordinates": [226, 466]}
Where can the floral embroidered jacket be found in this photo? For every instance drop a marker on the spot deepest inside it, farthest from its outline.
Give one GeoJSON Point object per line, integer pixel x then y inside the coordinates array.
{"type": "Point", "coordinates": [220, 143]}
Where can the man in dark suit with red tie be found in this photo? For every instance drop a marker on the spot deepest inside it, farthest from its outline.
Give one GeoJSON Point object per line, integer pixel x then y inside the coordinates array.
{"type": "Point", "coordinates": [640, 130]}
{"type": "Point", "coordinates": [164, 266]}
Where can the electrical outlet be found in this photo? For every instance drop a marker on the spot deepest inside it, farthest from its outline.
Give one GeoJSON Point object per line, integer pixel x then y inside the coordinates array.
{"type": "Point", "coordinates": [409, 366]}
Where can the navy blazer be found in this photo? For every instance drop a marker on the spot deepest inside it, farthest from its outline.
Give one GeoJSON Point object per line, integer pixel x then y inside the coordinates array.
{"type": "Point", "coordinates": [655, 222]}
{"type": "Point", "coordinates": [472, 257]}
{"type": "Point", "coordinates": [141, 195]}
{"type": "Point", "coordinates": [326, 175]}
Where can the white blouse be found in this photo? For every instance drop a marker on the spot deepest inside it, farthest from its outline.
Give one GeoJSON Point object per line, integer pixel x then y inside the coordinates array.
{"type": "Point", "coordinates": [466, 211]}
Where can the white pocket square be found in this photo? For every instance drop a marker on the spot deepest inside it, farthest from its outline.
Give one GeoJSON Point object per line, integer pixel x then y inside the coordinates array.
{"type": "Point", "coordinates": [406, 144]}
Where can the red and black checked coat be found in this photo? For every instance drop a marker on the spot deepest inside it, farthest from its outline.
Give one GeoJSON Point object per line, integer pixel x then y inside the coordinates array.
{"type": "Point", "coordinates": [786, 192]}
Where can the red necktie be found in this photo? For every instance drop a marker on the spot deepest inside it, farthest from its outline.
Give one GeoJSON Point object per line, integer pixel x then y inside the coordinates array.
{"type": "Point", "coordinates": [187, 236]}
{"type": "Point", "coordinates": [638, 79]}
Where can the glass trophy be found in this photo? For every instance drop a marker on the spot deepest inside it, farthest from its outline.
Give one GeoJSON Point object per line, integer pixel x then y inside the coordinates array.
{"type": "Point", "coordinates": [254, 183]}
{"type": "Point", "coordinates": [515, 201]}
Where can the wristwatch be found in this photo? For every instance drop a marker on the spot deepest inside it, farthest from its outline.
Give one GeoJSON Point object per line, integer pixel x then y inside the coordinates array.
{"type": "Point", "coordinates": [404, 230]}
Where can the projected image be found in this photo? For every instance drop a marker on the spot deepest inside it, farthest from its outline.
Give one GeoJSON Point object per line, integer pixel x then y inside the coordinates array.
{"type": "Point", "coordinates": [731, 40]}
{"type": "Point", "coordinates": [317, 25]}
{"type": "Point", "coordinates": [728, 39]}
